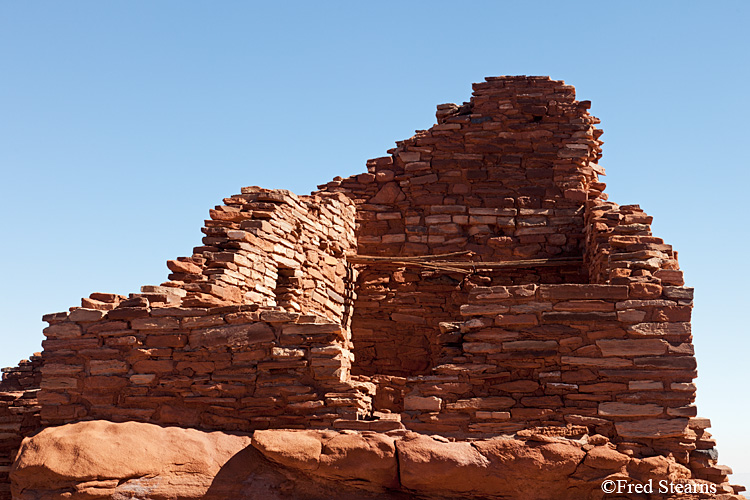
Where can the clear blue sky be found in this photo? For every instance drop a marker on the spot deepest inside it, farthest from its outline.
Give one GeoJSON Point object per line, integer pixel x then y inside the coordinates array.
{"type": "Point", "coordinates": [122, 123]}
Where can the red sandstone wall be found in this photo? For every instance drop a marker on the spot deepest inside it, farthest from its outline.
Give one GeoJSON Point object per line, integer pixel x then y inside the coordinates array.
{"type": "Point", "coordinates": [504, 176]}
{"type": "Point", "coordinates": [19, 413]}
{"type": "Point", "coordinates": [599, 356]}
{"type": "Point", "coordinates": [223, 344]}
{"type": "Point", "coordinates": [231, 368]}
{"type": "Point", "coordinates": [265, 247]}
{"type": "Point", "coordinates": [559, 353]}
{"type": "Point", "coordinates": [621, 249]}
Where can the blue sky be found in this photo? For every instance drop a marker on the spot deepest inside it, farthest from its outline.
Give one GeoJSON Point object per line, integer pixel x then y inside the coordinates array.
{"type": "Point", "coordinates": [124, 122]}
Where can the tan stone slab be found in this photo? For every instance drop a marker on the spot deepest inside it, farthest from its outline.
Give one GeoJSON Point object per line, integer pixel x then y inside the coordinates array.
{"type": "Point", "coordinates": [657, 329]}
{"type": "Point", "coordinates": [569, 292]}
{"type": "Point", "coordinates": [653, 428]}
{"type": "Point", "coordinates": [597, 362]}
{"type": "Point", "coordinates": [613, 409]}
{"type": "Point", "coordinates": [632, 347]}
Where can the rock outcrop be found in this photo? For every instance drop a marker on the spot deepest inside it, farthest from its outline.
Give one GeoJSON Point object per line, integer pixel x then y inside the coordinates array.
{"type": "Point", "coordinates": [98, 459]}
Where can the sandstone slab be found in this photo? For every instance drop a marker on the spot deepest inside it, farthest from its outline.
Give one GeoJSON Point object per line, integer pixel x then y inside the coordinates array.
{"type": "Point", "coordinates": [101, 459]}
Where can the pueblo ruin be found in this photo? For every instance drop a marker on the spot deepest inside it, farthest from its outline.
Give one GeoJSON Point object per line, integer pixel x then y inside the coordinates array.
{"type": "Point", "coordinates": [468, 318]}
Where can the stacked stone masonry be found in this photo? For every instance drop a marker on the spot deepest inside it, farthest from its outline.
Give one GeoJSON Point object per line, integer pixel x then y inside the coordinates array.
{"type": "Point", "coordinates": [232, 367]}
{"type": "Point", "coordinates": [474, 282]}
{"type": "Point", "coordinates": [505, 176]}
{"type": "Point", "coordinates": [19, 412]}
{"type": "Point", "coordinates": [270, 247]}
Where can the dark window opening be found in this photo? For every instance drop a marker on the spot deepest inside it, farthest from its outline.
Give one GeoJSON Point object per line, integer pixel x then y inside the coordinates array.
{"type": "Point", "coordinates": [288, 290]}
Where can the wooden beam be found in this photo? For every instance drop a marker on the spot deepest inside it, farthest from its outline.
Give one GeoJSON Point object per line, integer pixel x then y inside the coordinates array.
{"type": "Point", "coordinates": [435, 262]}
{"type": "Point", "coordinates": [363, 259]}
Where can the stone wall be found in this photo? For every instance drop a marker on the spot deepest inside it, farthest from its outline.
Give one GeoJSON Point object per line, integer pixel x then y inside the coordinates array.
{"type": "Point", "coordinates": [250, 332]}
{"type": "Point", "coordinates": [541, 355]}
{"type": "Point", "coordinates": [233, 368]}
{"type": "Point", "coordinates": [264, 247]}
{"type": "Point", "coordinates": [19, 413]}
{"type": "Point", "coordinates": [621, 249]}
{"type": "Point", "coordinates": [504, 176]}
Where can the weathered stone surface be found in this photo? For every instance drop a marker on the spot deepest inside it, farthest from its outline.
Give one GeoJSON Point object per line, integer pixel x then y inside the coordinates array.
{"type": "Point", "coordinates": [597, 362]}
{"type": "Point", "coordinates": [104, 460]}
{"type": "Point", "coordinates": [578, 292]}
{"type": "Point", "coordinates": [369, 459]}
{"type": "Point", "coordinates": [634, 347]}
{"type": "Point", "coordinates": [629, 410]}
{"type": "Point", "coordinates": [389, 193]}
{"type": "Point", "coordinates": [438, 467]}
{"type": "Point", "coordinates": [529, 345]}
{"type": "Point", "coordinates": [487, 468]}
{"type": "Point", "coordinates": [653, 428]}
{"type": "Point", "coordinates": [298, 450]}
{"type": "Point", "coordinates": [666, 329]}
{"type": "Point", "coordinates": [85, 315]}
{"type": "Point", "coordinates": [232, 335]}
{"type": "Point", "coordinates": [133, 460]}
{"type": "Point", "coordinates": [602, 457]}
{"type": "Point", "coordinates": [431, 403]}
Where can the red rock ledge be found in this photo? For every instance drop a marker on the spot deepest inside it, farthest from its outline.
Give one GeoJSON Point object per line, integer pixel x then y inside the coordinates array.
{"type": "Point", "coordinates": [105, 460]}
